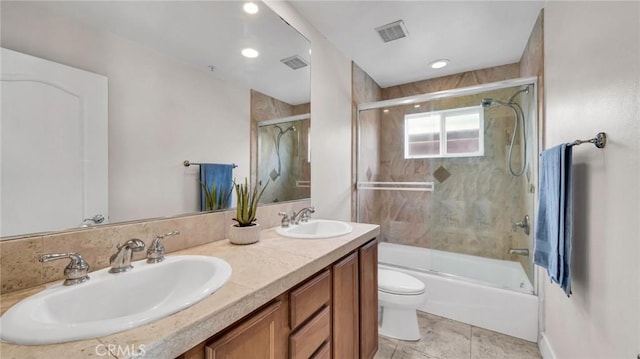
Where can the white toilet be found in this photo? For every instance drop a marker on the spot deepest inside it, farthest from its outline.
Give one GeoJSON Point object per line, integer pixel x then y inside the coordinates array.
{"type": "Point", "coordinates": [399, 295]}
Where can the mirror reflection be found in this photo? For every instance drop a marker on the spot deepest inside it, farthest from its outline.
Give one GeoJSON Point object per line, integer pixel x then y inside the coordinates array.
{"type": "Point", "coordinates": [175, 85]}
{"type": "Point", "coordinates": [284, 159]}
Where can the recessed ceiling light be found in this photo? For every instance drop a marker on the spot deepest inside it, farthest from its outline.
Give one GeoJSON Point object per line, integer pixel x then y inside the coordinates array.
{"type": "Point", "coordinates": [416, 106]}
{"type": "Point", "coordinates": [386, 110]}
{"type": "Point", "coordinates": [438, 64]}
{"type": "Point", "coordinates": [250, 53]}
{"type": "Point", "coordinates": [250, 8]}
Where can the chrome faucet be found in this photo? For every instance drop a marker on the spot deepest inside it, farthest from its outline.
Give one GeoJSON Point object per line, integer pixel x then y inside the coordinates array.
{"type": "Point", "coordinates": [121, 261]}
{"type": "Point", "coordinates": [302, 215]}
{"type": "Point", "coordinates": [524, 224]}
{"type": "Point", "coordinates": [155, 253]}
{"type": "Point", "coordinates": [75, 272]}
{"type": "Point", "coordinates": [285, 219]}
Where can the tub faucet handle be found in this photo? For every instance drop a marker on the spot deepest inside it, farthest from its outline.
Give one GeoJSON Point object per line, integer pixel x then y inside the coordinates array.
{"type": "Point", "coordinates": [524, 224]}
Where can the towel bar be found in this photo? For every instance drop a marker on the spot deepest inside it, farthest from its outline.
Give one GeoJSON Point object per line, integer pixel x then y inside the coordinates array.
{"type": "Point", "coordinates": [599, 141]}
{"type": "Point", "coordinates": [186, 163]}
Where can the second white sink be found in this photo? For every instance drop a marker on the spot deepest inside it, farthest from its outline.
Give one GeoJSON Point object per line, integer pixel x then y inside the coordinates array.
{"type": "Point", "coordinates": [315, 229]}
{"type": "Point", "coordinates": [109, 303]}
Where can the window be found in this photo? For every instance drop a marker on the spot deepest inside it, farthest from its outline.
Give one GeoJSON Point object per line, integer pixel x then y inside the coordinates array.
{"type": "Point", "coordinates": [448, 133]}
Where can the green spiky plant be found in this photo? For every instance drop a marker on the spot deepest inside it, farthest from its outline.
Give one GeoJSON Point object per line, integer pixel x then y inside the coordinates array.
{"type": "Point", "coordinates": [214, 198]}
{"type": "Point", "coordinates": [247, 203]}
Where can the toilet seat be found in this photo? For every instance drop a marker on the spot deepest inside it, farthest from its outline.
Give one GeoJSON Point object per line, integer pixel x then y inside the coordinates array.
{"type": "Point", "coordinates": [398, 283]}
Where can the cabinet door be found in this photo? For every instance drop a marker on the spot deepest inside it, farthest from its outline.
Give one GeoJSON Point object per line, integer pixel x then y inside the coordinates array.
{"type": "Point", "coordinates": [346, 308]}
{"type": "Point", "coordinates": [261, 336]}
{"type": "Point", "coordinates": [368, 269]}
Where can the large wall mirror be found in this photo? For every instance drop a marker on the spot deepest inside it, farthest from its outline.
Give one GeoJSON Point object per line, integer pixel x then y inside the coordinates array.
{"type": "Point", "coordinates": [172, 84]}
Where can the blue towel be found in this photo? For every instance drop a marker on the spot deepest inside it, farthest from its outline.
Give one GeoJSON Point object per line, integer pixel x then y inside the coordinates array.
{"type": "Point", "coordinates": [221, 175]}
{"type": "Point", "coordinates": [554, 221]}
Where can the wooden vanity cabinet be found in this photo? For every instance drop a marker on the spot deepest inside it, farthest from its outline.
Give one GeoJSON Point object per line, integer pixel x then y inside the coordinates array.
{"type": "Point", "coordinates": [333, 314]}
{"type": "Point", "coordinates": [263, 335]}
{"type": "Point", "coordinates": [368, 280]}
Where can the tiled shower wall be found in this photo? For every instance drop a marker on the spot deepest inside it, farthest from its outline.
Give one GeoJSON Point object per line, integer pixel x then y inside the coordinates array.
{"type": "Point", "coordinates": [475, 199]}
{"type": "Point", "coordinates": [294, 166]}
{"type": "Point", "coordinates": [293, 149]}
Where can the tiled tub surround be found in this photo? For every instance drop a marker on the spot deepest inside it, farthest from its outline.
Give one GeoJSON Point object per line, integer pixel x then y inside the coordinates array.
{"type": "Point", "coordinates": [20, 269]}
{"type": "Point", "coordinates": [261, 272]}
{"type": "Point", "coordinates": [265, 108]}
{"type": "Point", "coordinates": [475, 200]}
{"type": "Point", "coordinates": [294, 166]}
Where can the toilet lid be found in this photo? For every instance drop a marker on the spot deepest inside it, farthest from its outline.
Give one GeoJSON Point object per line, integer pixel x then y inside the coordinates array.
{"type": "Point", "coordinates": [394, 282]}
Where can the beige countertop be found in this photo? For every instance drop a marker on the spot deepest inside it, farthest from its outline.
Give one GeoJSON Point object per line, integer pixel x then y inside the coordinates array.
{"type": "Point", "coordinates": [261, 272]}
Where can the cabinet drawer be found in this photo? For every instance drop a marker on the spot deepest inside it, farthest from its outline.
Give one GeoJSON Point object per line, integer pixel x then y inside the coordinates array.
{"type": "Point", "coordinates": [311, 336]}
{"type": "Point", "coordinates": [309, 298]}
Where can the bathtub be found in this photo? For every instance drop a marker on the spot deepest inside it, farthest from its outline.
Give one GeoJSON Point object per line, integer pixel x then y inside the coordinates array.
{"type": "Point", "coordinates": [487, 293]}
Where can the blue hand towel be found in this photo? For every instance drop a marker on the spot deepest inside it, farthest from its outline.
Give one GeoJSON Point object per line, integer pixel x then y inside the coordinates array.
{"type": "Point", "coordinates": [554, 221]}
{"type": "Point", "coordinates": [221, 175]}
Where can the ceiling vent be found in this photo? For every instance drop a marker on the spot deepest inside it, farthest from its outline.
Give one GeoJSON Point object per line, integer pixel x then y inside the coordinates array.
{"type": "Point", "coordinates": [393, 31]}
{"type": "Point", "coordinates": [295, 62]}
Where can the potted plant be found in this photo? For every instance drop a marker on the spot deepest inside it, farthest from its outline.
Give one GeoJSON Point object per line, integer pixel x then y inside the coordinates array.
{"type": "Point", "coordinates": [246, 231]}
{"type": "Point", "coordinates": [215, 198]}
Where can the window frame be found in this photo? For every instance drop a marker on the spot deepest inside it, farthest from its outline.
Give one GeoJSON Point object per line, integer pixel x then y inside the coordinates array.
{"type": "Point", "coordinates": [443, 153]}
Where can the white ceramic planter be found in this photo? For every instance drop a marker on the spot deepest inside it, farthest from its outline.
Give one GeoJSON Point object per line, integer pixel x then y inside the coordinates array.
{"type": "Point", "coordinates": [244, 235]}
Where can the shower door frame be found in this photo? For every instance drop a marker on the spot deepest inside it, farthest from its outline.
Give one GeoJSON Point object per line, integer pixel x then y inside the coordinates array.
{"type": "Point", "coordinates": [462, 91]}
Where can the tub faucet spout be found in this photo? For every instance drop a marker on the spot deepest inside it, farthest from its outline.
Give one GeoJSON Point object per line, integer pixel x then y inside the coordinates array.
{"type": "Point", "coordinates": [519, 251]}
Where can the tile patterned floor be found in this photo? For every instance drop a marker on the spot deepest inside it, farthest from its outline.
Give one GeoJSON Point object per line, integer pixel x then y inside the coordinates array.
{"type": "Point", "coordinates": [443, 338]}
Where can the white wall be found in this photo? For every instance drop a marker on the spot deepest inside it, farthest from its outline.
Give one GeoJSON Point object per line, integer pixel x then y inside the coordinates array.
{"type": "Point", "coordinates": [592, 81]}
{"type": "Point", "coordinates": [331, 119]}
{"type": "Point", "coordinates": [161, 111]}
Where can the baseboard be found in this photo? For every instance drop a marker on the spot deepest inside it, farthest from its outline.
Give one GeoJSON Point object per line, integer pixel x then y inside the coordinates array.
{"type": "Point", "coordinates": [545, 348]}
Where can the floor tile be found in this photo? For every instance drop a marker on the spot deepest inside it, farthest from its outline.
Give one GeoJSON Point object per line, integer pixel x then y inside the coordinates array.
{"type": "Point", "coordinates": [486, 344]}
{"type": "Point", "coordinates": [407, 351]}
{"type": "Point", "coordinates": [443, 338]}
{"type": "Point", "coordinates": [386, 348]}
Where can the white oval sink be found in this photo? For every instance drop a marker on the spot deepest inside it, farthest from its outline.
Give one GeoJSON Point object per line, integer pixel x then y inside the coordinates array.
{"type": "Point", "coordinates": [110, 303]}
{"type": "Point", "coordinates": [316, 228]}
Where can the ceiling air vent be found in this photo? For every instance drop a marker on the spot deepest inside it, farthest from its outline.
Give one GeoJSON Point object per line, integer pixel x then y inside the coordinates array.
{"type": "Point", "coordinates": [393, 31]}
{"type": "Point", "coordinates": [295, 62]}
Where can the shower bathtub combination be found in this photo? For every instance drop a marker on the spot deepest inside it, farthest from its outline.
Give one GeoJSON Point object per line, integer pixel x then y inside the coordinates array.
{"type": "Point", "coordinates": [450, 173]}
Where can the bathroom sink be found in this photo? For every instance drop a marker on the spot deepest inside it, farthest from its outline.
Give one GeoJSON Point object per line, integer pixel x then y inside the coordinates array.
{"type": "Point", "coordinates": [316, 228]}
{"type": "Point", "coordinates": [110, 303]}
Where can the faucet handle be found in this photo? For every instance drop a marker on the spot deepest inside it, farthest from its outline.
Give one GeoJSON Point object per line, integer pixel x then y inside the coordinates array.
{"type": "Point", "coordinates": [75, 272]}
{"type": "Point", "coordinates": [285, 219]}
{"type": "Point", "coordinates": [155, 253]}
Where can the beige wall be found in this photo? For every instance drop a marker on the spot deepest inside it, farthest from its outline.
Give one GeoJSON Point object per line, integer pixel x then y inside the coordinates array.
{"type": "Point", "coordinates": [592, 84]}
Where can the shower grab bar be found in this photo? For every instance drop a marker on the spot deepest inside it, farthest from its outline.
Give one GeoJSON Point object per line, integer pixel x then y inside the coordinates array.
{"type": "Point", "coordinates": [397, 186]}
{"type": "Point", "coordinates": [186, 163]}
{"type": "Point", "coordinates": [303, 184]}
